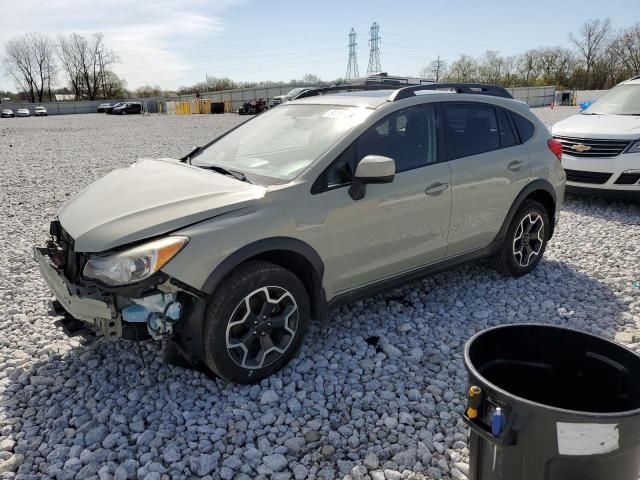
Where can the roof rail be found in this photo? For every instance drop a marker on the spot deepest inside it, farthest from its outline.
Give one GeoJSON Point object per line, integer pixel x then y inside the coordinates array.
{"type": "Point", "coordinates": [342, 88]}
{"type": "Point", "coordinates": [475, 88]}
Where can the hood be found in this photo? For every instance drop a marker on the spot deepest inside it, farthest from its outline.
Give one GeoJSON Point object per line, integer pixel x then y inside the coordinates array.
{"type": "Point", "coordinates": [149, 198]}
{"type": "Point", "coordinates": [623, 127]}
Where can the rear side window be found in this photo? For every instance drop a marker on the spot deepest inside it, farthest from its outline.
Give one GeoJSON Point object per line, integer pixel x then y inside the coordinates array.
{"type": "Point", "coordinates": [507, 135]}
{"type": "Point", "coordinates": [470, 129]}
{"type": "Point", "coordinates": [525, 127]}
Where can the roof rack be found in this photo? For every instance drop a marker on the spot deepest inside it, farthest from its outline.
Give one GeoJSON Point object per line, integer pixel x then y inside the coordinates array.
{"type": "Point", "coordinates": [400, 92]}
{"type": "Point", "coordinates": [343, 88]}
{"type": "Point", "coordinates": [475, 88]}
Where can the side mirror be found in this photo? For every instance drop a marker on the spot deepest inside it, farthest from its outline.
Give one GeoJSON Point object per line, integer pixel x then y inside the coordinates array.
{"type": "Point", "coordinates": [371, 169]}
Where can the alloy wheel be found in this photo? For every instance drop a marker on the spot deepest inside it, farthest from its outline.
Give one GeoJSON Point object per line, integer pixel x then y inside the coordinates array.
{"type": "Point", "coordinates": [528, 239]}
{"type": "Point", "coordinates": [262, 327]}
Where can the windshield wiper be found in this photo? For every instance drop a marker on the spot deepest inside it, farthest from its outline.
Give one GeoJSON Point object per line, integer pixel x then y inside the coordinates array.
{"type": "Point", "coordinates": [187, 157]}
{"type": "Point", "coordinates": [224, 171]}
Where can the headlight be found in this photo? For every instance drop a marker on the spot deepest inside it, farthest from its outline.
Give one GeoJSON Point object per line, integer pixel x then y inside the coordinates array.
{"type": "Point", "coordinates": [634, 147]}
{"type": "Point", "coordinates": [135, 264]}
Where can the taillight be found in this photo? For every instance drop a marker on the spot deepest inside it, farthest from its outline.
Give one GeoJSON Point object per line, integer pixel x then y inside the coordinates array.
{"type": "Point", "coordinates": [556, 148]}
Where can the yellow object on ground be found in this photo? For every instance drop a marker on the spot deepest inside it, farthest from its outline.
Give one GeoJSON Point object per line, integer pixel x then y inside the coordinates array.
{"type": "Point", "coordinates": [183, 108]}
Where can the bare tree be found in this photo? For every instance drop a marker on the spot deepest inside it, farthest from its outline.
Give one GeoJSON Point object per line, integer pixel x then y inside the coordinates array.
{"type": "Point", "coordinates": [510, 71]}
{"type": "Point", "coordinates": [463, 69]}
{"type": "Point", "coordinates": [591, 41]}
{"type": "Point", "coordinates": [490, 67]}
{"type": "Point", "coordinates": [85, 62]}
{"type": "Point", "coordinates": [627, 47]}
{"type": "Point", "coordinates": [29, 61]}
{"type": "Point", "coordinates": [113, 86]}
{"type": "Point", "coordinates": [436, 70]}
{"type": "Point", "coordinates": [311, 79]}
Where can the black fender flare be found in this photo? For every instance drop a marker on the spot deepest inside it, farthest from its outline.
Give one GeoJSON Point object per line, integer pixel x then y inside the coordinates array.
{"type": "Point", "coordinates": [531, 187]}
{"type": "Point", "coordinates": [189, 338]}
{"type": "Point", "coordinates": [262, 246]}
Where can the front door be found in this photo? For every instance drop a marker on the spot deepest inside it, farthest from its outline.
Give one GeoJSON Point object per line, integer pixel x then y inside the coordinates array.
{"type": "Point", "coordinates": [397, 226]}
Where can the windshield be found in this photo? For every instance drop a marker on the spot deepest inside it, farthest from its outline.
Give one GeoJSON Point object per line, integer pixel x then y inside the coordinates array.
{"type": "Point", "coordinates": [620, 100]}
{"type": "Point", "coordinates": [295, 92]}
{"type": "Point", "coordinates": [282, 142]}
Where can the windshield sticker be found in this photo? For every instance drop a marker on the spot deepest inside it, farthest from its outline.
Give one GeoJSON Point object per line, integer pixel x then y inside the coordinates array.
{"type": "Point", "coordinates": [341, 114]}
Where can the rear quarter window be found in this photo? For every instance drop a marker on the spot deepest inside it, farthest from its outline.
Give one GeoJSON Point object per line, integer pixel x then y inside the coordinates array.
{"type": "Point", "coordinates": [525, 127]}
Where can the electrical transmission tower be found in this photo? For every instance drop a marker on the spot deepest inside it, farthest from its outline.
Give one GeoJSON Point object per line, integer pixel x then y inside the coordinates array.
{"type": "Point", "coordinates": [374, 52]}
{"type": "Point", "coordinates": [352, 66]}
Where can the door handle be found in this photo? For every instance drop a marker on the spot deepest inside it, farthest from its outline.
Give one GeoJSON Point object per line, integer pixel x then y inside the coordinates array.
{"type": "Point", "coordinates": [515, 166]}
{"type": "Point", "coordinates": [436, 188]}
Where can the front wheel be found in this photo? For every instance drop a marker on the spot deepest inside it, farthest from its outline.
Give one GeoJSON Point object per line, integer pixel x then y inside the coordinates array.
{"type": "Point", "coordinates": [525, 242]}
{"type": "Point", "coordinates": [255, 322]}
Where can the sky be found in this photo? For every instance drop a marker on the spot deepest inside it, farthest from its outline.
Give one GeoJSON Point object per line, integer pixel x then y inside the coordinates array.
{"type": "Point", "coordinates": [173, 43]}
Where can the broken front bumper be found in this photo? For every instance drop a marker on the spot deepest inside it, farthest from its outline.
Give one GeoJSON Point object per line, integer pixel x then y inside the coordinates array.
{"type": "Point", "coordinates": [89, 308]}
{"type": "Point", "coordinates": [135, 315]}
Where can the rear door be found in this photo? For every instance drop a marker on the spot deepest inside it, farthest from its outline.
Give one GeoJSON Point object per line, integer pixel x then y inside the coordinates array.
{"type": "Point", "coordinates": [489, 168]}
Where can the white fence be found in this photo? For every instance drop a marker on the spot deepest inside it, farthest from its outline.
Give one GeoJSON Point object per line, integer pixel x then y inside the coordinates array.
{"type": "Point", "coordinates": [534, 96]}
{"type": "Point", "coordinates": [239, 96]}
{"type": "Point", "coordinates": [86, 106]}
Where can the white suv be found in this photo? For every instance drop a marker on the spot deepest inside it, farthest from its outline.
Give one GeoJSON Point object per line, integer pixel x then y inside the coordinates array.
{"type": "Point", "coordinates": [601, 145]}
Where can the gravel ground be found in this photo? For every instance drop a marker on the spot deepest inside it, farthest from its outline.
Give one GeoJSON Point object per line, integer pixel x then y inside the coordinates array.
{"type": "Point", "coordinates": [342, 409]}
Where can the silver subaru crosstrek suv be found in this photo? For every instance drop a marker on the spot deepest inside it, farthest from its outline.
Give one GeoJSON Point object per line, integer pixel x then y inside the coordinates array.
{"type": "Point", "coordinates": [229, 252]}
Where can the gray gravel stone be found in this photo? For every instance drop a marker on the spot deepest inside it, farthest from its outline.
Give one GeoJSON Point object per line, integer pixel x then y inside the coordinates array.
{"type": "Point", "coordinates": [275, 462]}
{"type": "Point", "coordinates": [69, 404]}
{"type": "Point", "coordinates": [269, 396]}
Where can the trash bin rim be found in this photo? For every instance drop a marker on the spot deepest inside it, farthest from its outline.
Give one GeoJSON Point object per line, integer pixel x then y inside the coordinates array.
{"type": "Point", "coordinates": [471, 368]}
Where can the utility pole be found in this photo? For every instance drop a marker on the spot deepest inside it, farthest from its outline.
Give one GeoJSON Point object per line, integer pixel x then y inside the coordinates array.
{"type": "Point", "coordinates": [352, 65]}
{"type": "Point", "coordinates": [374, 50]}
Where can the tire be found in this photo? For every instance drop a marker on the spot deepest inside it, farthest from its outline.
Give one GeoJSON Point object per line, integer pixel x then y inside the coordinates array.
{"type": "Point", "coordinates": [525, 243]}
{"type": "Point", "coordinates": [241, 342]}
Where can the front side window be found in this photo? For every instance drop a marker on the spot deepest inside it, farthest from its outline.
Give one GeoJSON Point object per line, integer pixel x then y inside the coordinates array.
{"type": "Point", "coordinates": [408, 136]}
{"type": "Point", "coordinates": [470, 129]}
{"type": "Point", "coordinates": [282, 142]}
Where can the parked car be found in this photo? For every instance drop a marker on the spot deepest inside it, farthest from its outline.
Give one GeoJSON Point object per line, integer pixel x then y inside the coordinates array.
{"type": "Point", "coordinates": [109, 109]}
{"type": "Point", "coordinates": [231, 251]}
{"type": "Point", "coordinates": [40, 112]}
{"type": "Point", "coordinates": [601, 145]}
{"type": "Point", "coordinates": [103, 107]}
{"type": "Point", "coordinates": [22, 112]}
{"type": "Point", "coordinates": [128, 108]}
{"type": "Point", "coordinates": [279, 99]}
{"type": "Point", "coordinates": [253, 107]}
{"type": "Point", "coordinates": [7, 113]}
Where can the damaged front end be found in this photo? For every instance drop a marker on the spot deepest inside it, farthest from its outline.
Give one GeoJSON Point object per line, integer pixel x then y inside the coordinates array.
{"type": "Point", "coordinates": [120, 294]}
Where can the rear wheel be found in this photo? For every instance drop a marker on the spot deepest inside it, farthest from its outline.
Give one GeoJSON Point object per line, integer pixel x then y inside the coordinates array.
{"type": "Point", "coordinates": [525, 242]}
{"type": "Point", "coordinates": [255, 322]}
